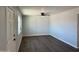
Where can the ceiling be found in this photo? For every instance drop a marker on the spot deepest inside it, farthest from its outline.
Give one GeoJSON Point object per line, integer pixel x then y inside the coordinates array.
{"type": "Point", "coordinates": [36, 10]}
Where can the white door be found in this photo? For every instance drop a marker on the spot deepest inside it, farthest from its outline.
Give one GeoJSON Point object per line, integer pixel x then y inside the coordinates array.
{"type": "Point", "coordinates": [11, 30]}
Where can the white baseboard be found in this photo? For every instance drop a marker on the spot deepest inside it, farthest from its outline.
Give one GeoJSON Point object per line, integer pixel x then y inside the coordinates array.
{"type": "Point", "coordinates": [65, 42]}
{"type": "Point", "coordinates": [35, 35]}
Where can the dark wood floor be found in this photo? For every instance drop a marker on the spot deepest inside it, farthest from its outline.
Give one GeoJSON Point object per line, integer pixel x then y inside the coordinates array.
{"type": "Point", "coordinates": [44, 44]}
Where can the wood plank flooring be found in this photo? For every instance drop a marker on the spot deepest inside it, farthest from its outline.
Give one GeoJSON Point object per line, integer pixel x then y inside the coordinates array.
{"type": "Point", "coordinates": [44, 44]}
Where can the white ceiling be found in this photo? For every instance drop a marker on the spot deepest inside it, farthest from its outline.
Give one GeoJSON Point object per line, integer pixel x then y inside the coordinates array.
{"type": "Point", "coordinates": [36, 10]}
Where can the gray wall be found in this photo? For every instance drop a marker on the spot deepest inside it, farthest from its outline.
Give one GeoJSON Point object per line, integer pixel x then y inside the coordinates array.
{"type": "Point", "coordinates": [3, 40]}
{"type": "Point", "coordinates": [35, 25]}
{"type": "Point", "coordinates": [63, 26]}
{"type": "Point", "coordinates": [78, 30]}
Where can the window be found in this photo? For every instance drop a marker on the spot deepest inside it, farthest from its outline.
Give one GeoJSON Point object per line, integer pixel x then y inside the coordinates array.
{"type": "Point", "coordinates": [19, 24]}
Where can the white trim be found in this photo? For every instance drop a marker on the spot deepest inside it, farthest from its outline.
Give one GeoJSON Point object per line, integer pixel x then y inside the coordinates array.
{"type": "Point", "coordinates": [35, 35]}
